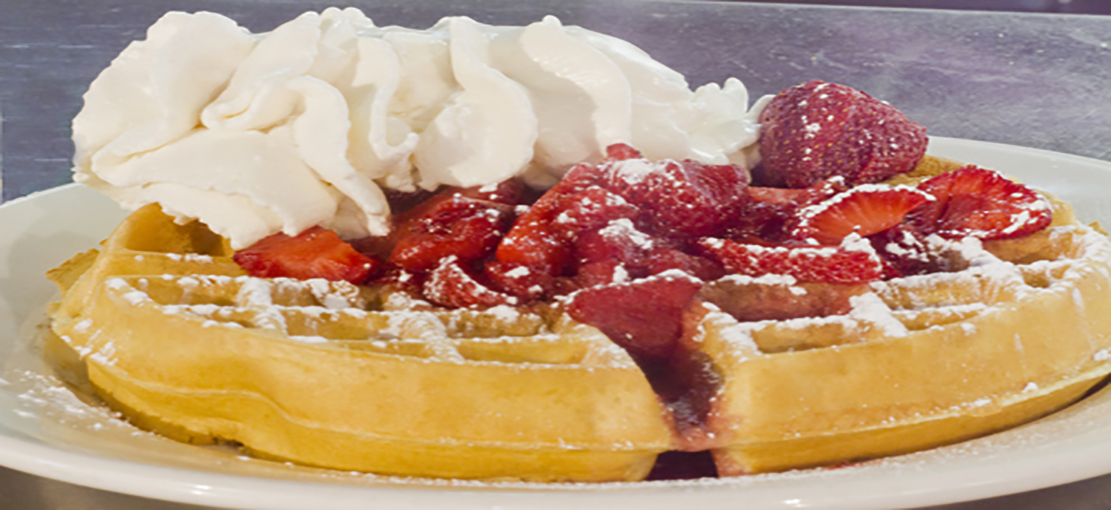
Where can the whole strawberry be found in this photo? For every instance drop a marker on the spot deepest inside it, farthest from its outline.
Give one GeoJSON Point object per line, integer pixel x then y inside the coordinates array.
{"type": "Point", "coordinates": [818, 130]}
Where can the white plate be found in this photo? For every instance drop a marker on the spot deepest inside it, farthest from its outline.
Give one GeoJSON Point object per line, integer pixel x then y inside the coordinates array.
{"type": "Point", "coordinates": [46, 430]}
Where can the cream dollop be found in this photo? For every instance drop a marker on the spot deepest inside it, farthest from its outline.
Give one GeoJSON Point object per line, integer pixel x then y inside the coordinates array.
{"type": "Point", "coordinates": [255, 134]}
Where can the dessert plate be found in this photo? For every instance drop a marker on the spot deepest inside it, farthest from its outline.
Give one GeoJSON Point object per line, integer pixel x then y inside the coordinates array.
{"type": "Point", "coordinates": [53, 430]}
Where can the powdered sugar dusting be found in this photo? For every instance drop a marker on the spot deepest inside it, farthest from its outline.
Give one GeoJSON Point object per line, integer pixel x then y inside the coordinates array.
{"type": "Point", "coordinates": [869, 308]}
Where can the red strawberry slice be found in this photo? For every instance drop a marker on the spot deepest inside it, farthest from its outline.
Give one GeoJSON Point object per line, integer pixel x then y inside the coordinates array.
{"type": "Point", "coordinates": [619, 240]}
{"type": "Point", "coordinates": [518, 280]}
{"type": "Point", "coordinates": [589, 209]}
{"type": "Point", "coordinates": [415, 212]}
{"type": "Point", "coordinates": [972, 201]}
{"type": "Point", "coordinates": [817, 130]}
{"type": "Point", "coordinates": [314, 253]}
{"type": "Point", "coordinates": [662, 259]}
{"type": "Point", "coordinates": [679, 198]}
{"type": "Point", "coordinates": [865, 210]}
{"type": "Point", "coordinates": [461, 227]}
{"type": "Point", "coordinates": [905, 252]}
{"type": "Point", "coordinates": [534, 240]}
{"type": "Point", "coordinates": [848, 263]}
{"type": "Point", "coordinates": [769, 212]}
{"type": "Point", "coordinates": [644, 316]}
{"type": "Point", "coordinates": [453, 285]}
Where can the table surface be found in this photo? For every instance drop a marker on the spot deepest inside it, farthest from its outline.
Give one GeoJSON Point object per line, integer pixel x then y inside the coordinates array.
{"type": "Point", "coordinates": [1035, 80]}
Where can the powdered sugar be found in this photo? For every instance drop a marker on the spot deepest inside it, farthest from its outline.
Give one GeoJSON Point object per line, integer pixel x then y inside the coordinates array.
{"type": "Point", "coordinates": [870, 309]}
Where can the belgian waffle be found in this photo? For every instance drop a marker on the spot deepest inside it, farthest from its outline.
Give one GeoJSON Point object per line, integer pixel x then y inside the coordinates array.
{"type": "Point", "coordinates": [353, 378]}
{"type": "Point", "coordinates": [919, 362]}
{"type": "Point", "coordinates": [324, 374]}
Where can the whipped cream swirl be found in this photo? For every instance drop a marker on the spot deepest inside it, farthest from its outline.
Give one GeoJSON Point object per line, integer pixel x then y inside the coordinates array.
{"type": "Point", "coordinates": [256, 134]}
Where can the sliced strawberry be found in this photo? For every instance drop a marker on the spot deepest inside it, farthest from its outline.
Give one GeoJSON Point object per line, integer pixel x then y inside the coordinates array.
{"type": "Point", "coordinates": [904, 252]}
{"type": "Point", "coordinates": [663, 259]}
{"type": "Point", "coordinates": [972, 201]}
{"type": "Point", "coordinates": [453, 285]}
{"type": "Point", "coordinates": [770, 212]}
{"type": "Point", "coordinates": [864, 210]}
{"type": "Point", "coordinates": [519, 280]}
{"type": "Point", "coordinates": [460, 227]}
{"type": "Point", "coordinates": [848, 263]}
{"type": "Point", "coordinates": [644, 316]}
{"type": "Point", "coordinates": [536, 245]}
{"type": "Point", "coordinates": [508, 192]}
{"type": "Point", "coordinates": [817, 130]}
{"type": "Point", "coordinates": [534, 240]}
{"type": "Point", "coordinates": [619, 240]}
{"type": "Point", "coordinates": [415, 212]}
{"type": "Point", "coordinates": [620, 252]}
{"type": "Point", "coordinates": [591, 208]}
{"type": "Point", "coordinates": [314, 253]}
{"type": "Point", "coordinates": [679, 198]}
{"type": "Point", "coordinates": [604, 272]}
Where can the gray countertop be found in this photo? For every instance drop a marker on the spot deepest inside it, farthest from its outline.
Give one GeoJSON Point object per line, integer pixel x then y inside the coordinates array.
{"type": "Point", "coordinates": [1035, 80]}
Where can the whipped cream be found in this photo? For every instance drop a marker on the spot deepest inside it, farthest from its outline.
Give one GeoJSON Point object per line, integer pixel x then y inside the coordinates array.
{"type": "Point", "coordinates": [256, 134]}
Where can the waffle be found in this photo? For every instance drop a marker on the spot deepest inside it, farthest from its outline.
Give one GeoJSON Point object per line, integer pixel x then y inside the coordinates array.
{"type": "Point", "coordinates": [325, 374]}
{"type": "Point", "coordinates": [329, 374]}
{"type": "Point", "coordinates": [1016, 330]}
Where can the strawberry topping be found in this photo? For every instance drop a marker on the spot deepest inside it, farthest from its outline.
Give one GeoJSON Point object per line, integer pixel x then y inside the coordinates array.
{"type": "Point", "coordinates": [679, 198]}
{"type": "Point", "coordinates": [847, 263]}
{"type": "Point", "coordinates": [465, 228]}
{"type": "Point", "coordinates": [904, 252]}
{"type": "Point", "coordinates": [644, 316]}
{"type": "Point", "coordinates": [818, 130]}
{"type": "Point", "coordinates": [972, 201]}
{"type": "Point", "coordinates": [314, 253]}
{"type": "Point", "coordinates": [770, 213]}
{"type": "Point", "coordinates": [453, 285]}
{"type": "Point", "coordinates": [864, 210]}
{"type": "Point", "coordinates": [535, 241]}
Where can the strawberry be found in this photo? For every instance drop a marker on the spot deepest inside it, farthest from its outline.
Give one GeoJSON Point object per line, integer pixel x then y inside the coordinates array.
{"type": "Point", "coordinates": [590, 208]}
{"type": "Point", "coordinates": [604, 272]}
{"type": "Point", "coordinates": [453, 285]}
{"type": "Point", "coordinates": [644, 316]}
{"type": "Point", "coordinates": [314, 253]}
{"type": "Point", "coordinates": [518, 280]}
{"type": "Point", "coordinates": [817, 130]}
{"type": "Point", "coordinates": [535, 245]}
{"type": "Point", "coordinates": [534, 240]}
{"type": "Point", "coordinates": [972, 201]}
{"type": "Point", "coordinates": [769, 212]}
{"type": "Point", "coordinates": [851, 262]}
{"type": "Point", "coordinates": [865, 210]}
{"type": "Point", "coordinates": [904, 252]}
{"type": "Point", "coordinates": [619, 241]}
{"type": "Point", "coordinates": [508, 192]}
{"type": "Point", "coordinates": [662, 259]}
{"type": "Point", "coordinates": [465, 228]}
{"type": "Point", "coordinates": [679, 198]}
{"type": "Point", "coordinates": [413, 212]}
